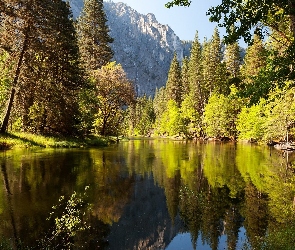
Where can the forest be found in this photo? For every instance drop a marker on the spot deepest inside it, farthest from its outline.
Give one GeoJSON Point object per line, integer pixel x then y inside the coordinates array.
{"type": "Point", "coordinates": [57, 76]}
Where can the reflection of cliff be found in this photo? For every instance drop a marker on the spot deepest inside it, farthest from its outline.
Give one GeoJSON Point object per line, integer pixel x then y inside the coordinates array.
{"type": "Point", "coordinates": [145, 223]}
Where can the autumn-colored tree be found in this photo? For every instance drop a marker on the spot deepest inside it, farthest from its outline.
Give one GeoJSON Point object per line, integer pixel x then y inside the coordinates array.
{"type": "Point", "coordinates": [114, 92]}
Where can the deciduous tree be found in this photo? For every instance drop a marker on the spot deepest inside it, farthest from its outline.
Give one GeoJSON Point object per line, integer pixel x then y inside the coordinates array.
{"type": "Point", "coordinates": [114, 92]}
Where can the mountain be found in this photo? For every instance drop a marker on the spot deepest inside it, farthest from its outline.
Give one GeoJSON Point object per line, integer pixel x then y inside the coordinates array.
{"type": "Point", "coordinates": [142, 45]}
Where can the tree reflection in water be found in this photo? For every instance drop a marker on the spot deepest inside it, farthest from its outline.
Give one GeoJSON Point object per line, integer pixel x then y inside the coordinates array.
{"type": "Point", "coordinates": [146, 192]}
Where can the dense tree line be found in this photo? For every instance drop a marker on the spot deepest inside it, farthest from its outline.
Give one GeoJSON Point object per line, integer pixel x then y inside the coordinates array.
{"type": "Point", "coordinates": [56, 75]}
{"type": "Point", "coordinates": [51, 68]}
{"type": "Point", "coordinates": [216, 93]}
{"type": "Point", "coordinates": [220, 94]}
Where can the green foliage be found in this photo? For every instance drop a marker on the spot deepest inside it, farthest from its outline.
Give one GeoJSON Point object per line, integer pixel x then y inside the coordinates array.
{"type": "Point", "coordinates": [195, 71]}
{"type": "Point", "coordinates": [170, 122]}
{"type": "Point", "coordinates": [28, 140]}
{"type": "Point", "coordinates": [174, 83]}
{"type": "Point", "coordinates": [5, 80]}
{"type": "Point", "coordinates": [251, 120]}
{"type": "Point", "coordinates": [113, 92]}
{"type": "Point", "coordinates": [185, 77]}
{"type": "Point", "coordinates": [281, 115]}
{"type": "Point", "coordinates": [93, 36]}
{"type": "Point", "coordinates": [190, 117]}
{"type": "Point", "coordinates": [178, 2]}
{"type": "Point", "coordinates": [160, 102]}
{"type": "Point", "coordinates": [239, 18]}
{"type": "Point", "coordinates": [211, 61]}
{"type": "Point", "coordinates": [220, 116]}
{"type": "Point", "coordinates": [87, 109]}
{"type": "Point", "coordinates": [233, 63]}
{"type": "Point", "coordinates": [280, 239]}
{"type": "Point", "coordinates": [69, 220]}
{"type": "Point", "coordinates": [143, 116]}
{"type": "Point", "coordinates": [40, 39]}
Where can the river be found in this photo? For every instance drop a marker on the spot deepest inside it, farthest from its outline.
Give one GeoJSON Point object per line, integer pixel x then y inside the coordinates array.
{"type": "Point", "coordinates": [150, 194]}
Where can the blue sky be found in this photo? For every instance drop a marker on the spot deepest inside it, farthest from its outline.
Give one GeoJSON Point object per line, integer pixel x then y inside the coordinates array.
{"type": "Point", "coordinates": [185, 21]}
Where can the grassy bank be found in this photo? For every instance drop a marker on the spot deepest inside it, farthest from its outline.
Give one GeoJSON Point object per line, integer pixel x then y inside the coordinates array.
{"type": "Point", "coordinates": [26, 140]}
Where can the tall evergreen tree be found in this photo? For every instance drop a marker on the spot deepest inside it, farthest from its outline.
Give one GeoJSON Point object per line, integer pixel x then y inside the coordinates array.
{"type": "Point", "coordinates": [93, 35]}
{"type": "Point", "coordinates": [55, 104]}
{"type": "Point", "coordinates": [257, 79]}
{"type": "Point", "coordinates": [17, 34]}
{"type": "Point", "coordinates": [185, 77]}
{"type": "Point", "coordinates": [159, 102]}
{"type": "Point", "coordinates": [232, 59]}
{"type": "Point", "coordinates": [254, 61]}
{"type": "Point", "coordinates": [41, 35]}
{"type": "Point", "coordinates": [196, 76]}
{"type": "Point", "coordinates": [233, 62]}
{"type": "Point", "coordinates": [212, 57]}
{"type": "Point", "coordinates": [173, 84]}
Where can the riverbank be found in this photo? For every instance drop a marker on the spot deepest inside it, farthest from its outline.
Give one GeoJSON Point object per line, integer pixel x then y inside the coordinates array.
{"type": "Point", "coordinates": [27, 140]}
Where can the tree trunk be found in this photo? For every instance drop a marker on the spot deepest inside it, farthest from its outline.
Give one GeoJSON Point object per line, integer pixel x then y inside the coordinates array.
{"type": "Point", "coordinates": [15, 81]}
{"type": "Point", "coordinates": [8, 111]}
{"type": "Point", "coordinates": [291, 4]}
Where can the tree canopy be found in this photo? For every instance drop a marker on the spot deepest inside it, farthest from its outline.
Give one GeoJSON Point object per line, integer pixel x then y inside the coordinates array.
{"type": "Point", "coordinates": [241, 17]}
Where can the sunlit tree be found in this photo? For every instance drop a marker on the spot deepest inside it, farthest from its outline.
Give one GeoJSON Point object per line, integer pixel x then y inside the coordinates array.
{"type": "Point", "coordinates": [114, 92]}
{"type": "Point", "coordinates": [93, 35]}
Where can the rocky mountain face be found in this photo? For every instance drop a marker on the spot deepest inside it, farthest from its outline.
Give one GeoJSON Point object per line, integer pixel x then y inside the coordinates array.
{"type": "Point", "coordinates": [142, 46]}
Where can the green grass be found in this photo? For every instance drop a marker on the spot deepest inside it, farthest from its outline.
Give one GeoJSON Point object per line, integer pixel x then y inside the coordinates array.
{"type": "Point", "coordinates": [27, 140]}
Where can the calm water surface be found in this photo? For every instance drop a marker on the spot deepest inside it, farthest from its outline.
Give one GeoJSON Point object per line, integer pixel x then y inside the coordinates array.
{"type": "Point", "coordinates": [154, 194]}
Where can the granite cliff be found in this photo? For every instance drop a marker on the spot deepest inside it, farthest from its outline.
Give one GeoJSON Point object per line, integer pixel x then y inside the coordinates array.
{"type": "Point", "coordinates": [142, 45]}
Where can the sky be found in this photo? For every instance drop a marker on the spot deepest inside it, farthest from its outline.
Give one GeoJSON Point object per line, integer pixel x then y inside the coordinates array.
{"type": "Point", "coordinates": [184, 21]}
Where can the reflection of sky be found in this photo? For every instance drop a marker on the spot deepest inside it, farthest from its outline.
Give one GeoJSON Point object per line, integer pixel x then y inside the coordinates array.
{"type": "Point", "coordinates": [183, 241]}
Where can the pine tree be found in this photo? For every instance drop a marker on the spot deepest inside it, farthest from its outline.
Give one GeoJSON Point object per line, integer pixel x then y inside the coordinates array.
{"type": "Point", "coordinates": [196, 75]}
{"type": "Point", "coordinates": [173, 84]}
{"type": "Point", "coordinates": [254, 61]}
{"type": "Point", "coordinates": [212, 57]}
{"type": "Point", "coordinates": [233, 60]}
{"type": "Point", "coordinates": [47, 69]}
{"type": "Point", "coordinates": [93, 36]}
{"type": "Point", "coordinates": [61, 73]}
{"type": "Point", "coordinates": [16, 38]}
{"type": "Point", "coordinates": [159, 102]}
{"type": "Point", "coordinates": [144, 116]}
{"type": "Point", "coordinates": [185, 77]}
{"type": "Point", "coordinates": [257, 76]}
{"type": "Point", "coordinates": [232, 63]}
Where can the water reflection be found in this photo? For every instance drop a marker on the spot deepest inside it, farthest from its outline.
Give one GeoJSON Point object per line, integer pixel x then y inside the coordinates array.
{"type": "Point", "coordinates": [154, 194]}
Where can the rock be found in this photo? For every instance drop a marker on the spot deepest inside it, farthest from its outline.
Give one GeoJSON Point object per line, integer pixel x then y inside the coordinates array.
{"type": "Point", "coordinates": [142, 46]}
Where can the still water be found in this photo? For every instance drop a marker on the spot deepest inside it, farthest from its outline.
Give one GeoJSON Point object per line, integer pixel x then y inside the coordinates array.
{"type": "Point", "coordinates": [153, 194]}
